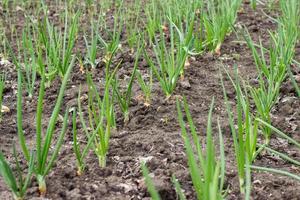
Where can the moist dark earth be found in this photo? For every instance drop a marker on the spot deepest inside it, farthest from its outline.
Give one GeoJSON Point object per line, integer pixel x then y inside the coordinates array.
{"type": "Point", "coordinates": [153, 133]}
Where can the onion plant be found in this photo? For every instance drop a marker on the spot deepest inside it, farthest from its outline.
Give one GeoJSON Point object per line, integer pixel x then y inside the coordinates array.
{"type": "Point", "coordinates": [271, 73]}
{"type": "Point", "coordinates": [28, 52]}
{"type": "Point", "coordinates": [81, 154]}
{"type": "Point", "coordinates": [253, 4]}
{"type": "Point", "coordinates": [2, 86]}
{"type": "Point", "coordinates": [179, 10]}
{"type": "Point", "coordinates": [112, 43]}
{"type": "Point", "coordinates": [184, 15]}
{"type": "Point", "coordinates": [14, 179]}
{"type": "Point", "coordinates": [178, 189]}
{"type": "Point", "coordinates": [154, 18]}
{"type": "Point", "coordinates": [105, 6]}
{"type": "Point", "coordinates": [289, 23]}
{"type": "Point", "coordinates": [279, 133]}
{"type": "Point", "coordinates": [146, 86]}
{"type": "Point", "coordinates": [169, 65]}
{"type": "Point", "coordinates": [44, 162]}
{"type": "Point", "coordinates": [89, 3]}
{"type": "Point", "coordinates": [58, 44]}
{"type": "Point", "coordinates": [101, 118]}
{"type": "Point", "coordinates": [132, 23]}
{"type": "Point", "coordinates": [218, 18]}
{"type": "Point", "coordinates": [4, 4]}
{"type": "Point", "coordinates": [150, 185]}
{"type": "Point", "coordinates": [124, 97]}
{"type": "Point", "coordinates": [206, 170]}
{"type": "Point", "coordinates": [92, 45]}
{"type": "Point", "coordinates": [287, 158]}
{"type": "Point", "coordinates": [244, 132]}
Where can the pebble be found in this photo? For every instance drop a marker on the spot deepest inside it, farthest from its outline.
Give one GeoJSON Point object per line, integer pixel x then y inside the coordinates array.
{"type": "Point", "coordinates": [185, 84]}
{"type": "Point", "coordinates": [74, 194]}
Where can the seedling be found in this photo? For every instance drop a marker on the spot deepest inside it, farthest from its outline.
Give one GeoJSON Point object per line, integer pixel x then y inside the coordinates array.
{"type": "Point", "coordinates": [279, 171]}
{"type": "Point", "coordinates": [253, 4]}
{"type": "Point", "coordinates": [44, 161]}
{"type": "Point", "coordinates": [244, 132]}
{"type": "Point", "coordinates": [101, 118]}
{"type": "Point", "coordinates": [124, 98]}
{"type": "Point", "coordinates": [154, 19]}
{"type": "Point", "coordinates": [146, 86]}
{"type": "Point", "coordinates": [270, 78]}
{"type": "Point", "coordinates": [206, 170]}
{"type": "Point", "coordinates": [132, 23]}
{"type": "Point", "coordinates": [184, 17]}
{"type": "Point", "coordinates": [15, 181]}
{"type": "Point", "coordinates": [29, 51]}
{"type": "Point", "coordinates": [112, 44]}
{"type": "Point", "coordinates": [289, 24]}
{"type": "Point", "coordinates": [92, 46]}
{"type": "Point", "coordinates": [218, 18]}
{"type": "Point", "coordinates": [273, 71]}
{"type": "Point", "coordinates": [279, 133]}
{"type": "Point", "coordinates": [80, 155]}
{"type": "Point", "coordinates": [170, 61]}
{"type": "Point", "coordinates": [151, 188]}
{"type": "Point", "coordinates": [178, 189]}
{"type": "Point", "coordinates": [5, 4]}
{"type": "Point", "coordinates": [58, 44]}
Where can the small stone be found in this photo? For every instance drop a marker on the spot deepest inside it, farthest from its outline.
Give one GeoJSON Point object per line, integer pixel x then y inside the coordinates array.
{"type": "Point", "coordinates": [74, 194]}
{"type": "Point", "coordinates": [94, 187]}
{"type": "Point", "coordinates": [127, 187]}
{"type": "Point", "coordinates": [102, 189]}
{"type": "Point", "coordinates": [287, 109]}
{"type": "Point", "coordinates": [145, 159]}
{"type": "Point", "coordinates": [289, 100]}
{"type": "Point", "coordinates": [185, 84]}
{"type": "Point", "coordinates": [5, 109]}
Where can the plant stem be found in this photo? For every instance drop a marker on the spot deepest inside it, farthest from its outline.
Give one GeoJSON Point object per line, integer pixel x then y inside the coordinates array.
{"type": "Point", "coordinates": [242, 185]}
{"type": "Point", "coordinates": [102, 161]}
{"type": "Point", "coordinates": [42, 185]}
{"type": "Point", "coordinates": [17, 197]}
{"type": "Point", "coordinates": [267, 139]}
{"type": "Point", "coordinates": [79, 171]}
{"type": "Point", "coordinates": [126, 117]}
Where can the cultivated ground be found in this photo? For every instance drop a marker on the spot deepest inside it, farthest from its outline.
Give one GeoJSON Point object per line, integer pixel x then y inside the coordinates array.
{"type": "Point", "coordinates": [153, 133]}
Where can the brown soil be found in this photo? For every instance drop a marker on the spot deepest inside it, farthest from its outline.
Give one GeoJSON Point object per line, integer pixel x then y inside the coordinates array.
{"type": "Point", "coordinates": [153, 133]}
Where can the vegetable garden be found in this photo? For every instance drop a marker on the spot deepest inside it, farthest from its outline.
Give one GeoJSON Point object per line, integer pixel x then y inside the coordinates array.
{"type": "Point", "coordinates": [150, 99]}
